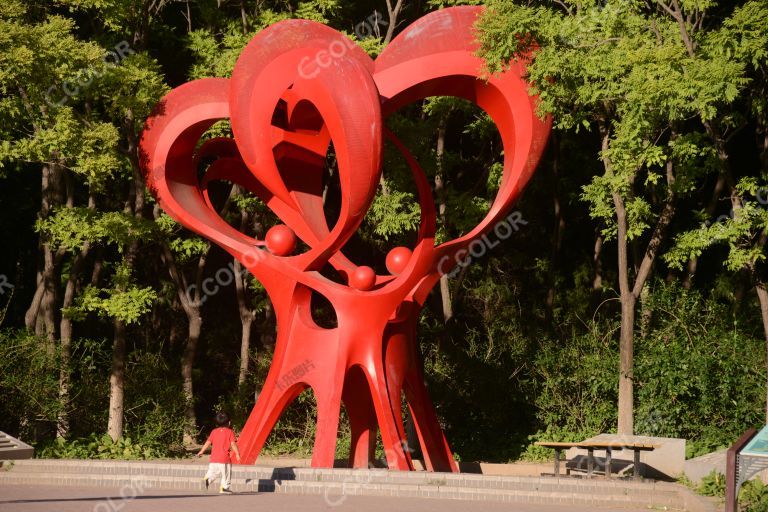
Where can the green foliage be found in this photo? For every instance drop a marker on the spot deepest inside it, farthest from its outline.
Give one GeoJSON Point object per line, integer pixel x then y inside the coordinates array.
{"type": "Point", "coordinates": [188, 248]}
{"type": "Point", "coordinates": [576, 388]}
{"type": "Point", "coordinates": [28, 381]}
{"type": "Point", "coordinates": [694, 376]}
{"type": "Point", "coordinates": [154, 403]}
{"type": "Point", "coordinates": [29, 384]}
{"type": "Point", "coordinates": [70, 228]}
{"type": "Point", "coordinates": [753, 496]}
{"type": "Point", "coordinates": [693, 365]}
{"type": "Point", "coordinates": [130, 90]}
{"type": "Point", "coordinates": [124, 301]}
{"type": "Point", "coordinates": [712, 485]}
{"type": "Point", "coordinates": [37, 58]}
{"type": "Point", "coordinates": [217, 51]}
{"type": "Point", "coordinates": [216, 56]}
{"type": "Point", "coordinates": [627, 71]}
{"type": "Point", "coordinates": [738, 232]}
{"type": "Point", "coordinates": [394, 214]}
{"type": "Point", "coordinates": [101, 447]}
{"type": "Point", "coordinates": [127, 305]}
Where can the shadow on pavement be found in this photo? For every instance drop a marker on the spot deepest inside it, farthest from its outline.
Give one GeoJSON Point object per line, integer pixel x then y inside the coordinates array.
{"type": "Point", "coordinates": [127, 498]}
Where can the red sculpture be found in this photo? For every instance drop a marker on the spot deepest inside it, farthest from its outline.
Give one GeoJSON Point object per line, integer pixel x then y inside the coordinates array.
{"type": "Point", "coordinates": [297, 86]}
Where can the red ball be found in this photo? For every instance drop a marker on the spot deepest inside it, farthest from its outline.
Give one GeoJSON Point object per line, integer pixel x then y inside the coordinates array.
{"type": "Point", "coordinates": [281, 240]}
{"type": "Point", "coordinates": [397, 260]}
{"type": "Point", "coordinates": [363, 278]}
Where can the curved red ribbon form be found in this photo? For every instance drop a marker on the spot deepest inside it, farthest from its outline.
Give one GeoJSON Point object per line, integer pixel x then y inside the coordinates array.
{"type": "Point", "coordinates": [297, 88]}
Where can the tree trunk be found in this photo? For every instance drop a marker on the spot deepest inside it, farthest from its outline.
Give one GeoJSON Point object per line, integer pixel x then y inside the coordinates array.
{"type": "Point", "coordinates": [557, 237]}
{"type": "Point", "coordinates": [267, 336]}
{"type": "Point", "coordinates": [189, 18]}
{"type": "Point", "coordinates": [626, 338]}
{"type": "Point", "coordinates": [247, 317]}
{"type": "Point", "coordinates": [48, 301]}
{"type": "Point", "coordinates": [245, 350]}
{"type": "Point", "coordinates": [394, 12]}
{"type": "Point", "coordinates": [597, 259]}
{"type": "Point", "coordinates": [762, 295]}
{"type": "Point", "coordinates": [117, 382]}
{"type": "Point", "coordinates": [191, 307]}
{"type": "Point", "coordinates": [195, 322]}
{"type": "Point", "coordinates": [42, 311]}
{"type": "Point", "coordinates": [65, 347]}
{"type": "Point", "coordinates": [117, 378]}
{"type": "Point", "coordinates": [30, 317]}
{"type": "Point", "coordinates": [445, 289]}
{"type": "Point", "coordinates": [243, 17]}
{"type": "Point", "coordinates": [630, 293]}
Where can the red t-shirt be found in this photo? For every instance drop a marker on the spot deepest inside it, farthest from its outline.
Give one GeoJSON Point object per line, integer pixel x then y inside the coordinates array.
{"type": "Point", "coordinates": [221, 439]}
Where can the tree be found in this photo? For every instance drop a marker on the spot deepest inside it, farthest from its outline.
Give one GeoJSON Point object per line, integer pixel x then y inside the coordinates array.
{"type": "Point", "coordinates": [622, 69]}
{"type": "Point", "coordinates": [176, 251]}
{"type": "Point", "coordinates": [44, 126]}
{"type": "Point", "coordinates": [743, 39]}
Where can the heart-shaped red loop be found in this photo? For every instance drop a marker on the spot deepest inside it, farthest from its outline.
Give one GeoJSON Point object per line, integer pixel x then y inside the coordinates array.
{"type": "Point", "coordinates": [299, 85]}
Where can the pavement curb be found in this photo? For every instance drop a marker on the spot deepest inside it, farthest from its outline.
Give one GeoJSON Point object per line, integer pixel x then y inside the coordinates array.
{"type": "Point", "coordinates": [333, 483]}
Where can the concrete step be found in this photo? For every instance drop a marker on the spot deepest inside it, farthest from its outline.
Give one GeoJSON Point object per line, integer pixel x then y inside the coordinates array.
{"type": "Point", "coordinates": [373, 476]}
{"type": "Point", "coordinates": [374, 482]}
{"type": "Point", "coordinates": [12, 449]}
{"type": "Point", "coordinates": [608, 498]}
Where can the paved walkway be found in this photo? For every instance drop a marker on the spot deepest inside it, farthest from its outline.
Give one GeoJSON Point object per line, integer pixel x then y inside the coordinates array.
{"type": "Point", "coordinates": [78, 499]}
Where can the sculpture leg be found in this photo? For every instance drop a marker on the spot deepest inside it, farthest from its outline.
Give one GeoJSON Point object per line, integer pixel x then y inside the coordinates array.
{"type": "Point", "coordinates": [362, 419]}
{"type": "Point", "coordinates": [328, 410]}
{"type": "Point", "coordinates": [390, 419]}
{"type": "Point", "coordinates": [270, 406]}
{"type": "Point", "coordinates": [434, 446]}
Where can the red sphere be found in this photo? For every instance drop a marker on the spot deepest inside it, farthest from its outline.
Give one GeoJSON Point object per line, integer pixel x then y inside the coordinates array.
{"type": "Point", "coordinates": [281, 240]}
{"type": "Point", "coordinates": [397, 260]}
{"type": "Point", "coordinates": [363, 278]}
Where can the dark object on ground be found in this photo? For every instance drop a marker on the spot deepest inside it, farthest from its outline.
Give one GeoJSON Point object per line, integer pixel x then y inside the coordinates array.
{"type": "Point", "coordinates": [606, 463]}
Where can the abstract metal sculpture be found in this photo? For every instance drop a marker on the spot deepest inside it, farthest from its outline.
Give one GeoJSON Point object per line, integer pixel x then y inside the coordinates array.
{"type": "Point", "coordinates": [297, 87]}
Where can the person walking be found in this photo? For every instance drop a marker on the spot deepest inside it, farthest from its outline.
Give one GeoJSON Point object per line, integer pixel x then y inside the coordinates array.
{"type": "Point", "coordinates": [220, 464]}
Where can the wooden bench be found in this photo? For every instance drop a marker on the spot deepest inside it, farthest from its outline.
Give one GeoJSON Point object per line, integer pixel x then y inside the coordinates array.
{"type": "Point", "coordinates": [609, 447]}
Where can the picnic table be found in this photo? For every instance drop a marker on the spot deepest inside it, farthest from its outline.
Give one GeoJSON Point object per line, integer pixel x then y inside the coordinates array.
{"type": "Point", "coordinates": [609, 447]}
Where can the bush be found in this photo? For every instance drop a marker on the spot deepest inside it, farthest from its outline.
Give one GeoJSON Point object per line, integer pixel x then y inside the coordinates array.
{"type": "Point", "coordinates": [154, 403]}
{"type": "Point", "coordinates": [576, 383]}
{"type": "Point", "coordinates": [696, 372]}
{"type": "Point", "coordinates": [29, 386]}
{"type": "Point", "coordinates": [753, 496]}
{"type": "Point", "coordinates": [712, 485]}
{"type": "Point", "coordinates": [30, 405]}
{"type": "Point", "coordinates": [696, 367]}
{"type": "Point", "coordinates": [102, 447]}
